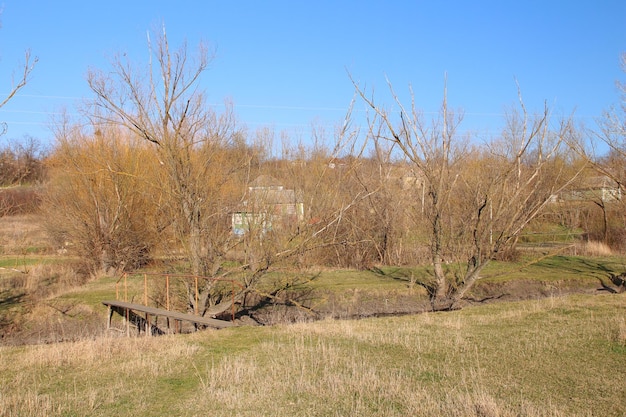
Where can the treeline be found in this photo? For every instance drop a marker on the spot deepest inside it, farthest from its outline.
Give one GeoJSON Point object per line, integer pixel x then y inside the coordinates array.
{"type": "Point", "coordinates": [378, 229]}
{"type": "Point", "coordinates": [106, 196]}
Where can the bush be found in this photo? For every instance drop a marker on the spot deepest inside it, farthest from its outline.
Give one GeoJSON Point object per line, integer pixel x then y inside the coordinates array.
{"type": "Point", "coordinates": [19, 200]}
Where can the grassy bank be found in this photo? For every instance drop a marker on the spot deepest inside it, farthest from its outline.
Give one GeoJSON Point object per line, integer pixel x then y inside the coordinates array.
{"type": "Point", "coordinates": [551, 357]}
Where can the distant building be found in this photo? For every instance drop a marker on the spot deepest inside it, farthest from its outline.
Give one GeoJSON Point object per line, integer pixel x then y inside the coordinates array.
{"type": "Point", "coordinates": [268, 206]}
{"type": "Point", "coordinates": [599, 188]}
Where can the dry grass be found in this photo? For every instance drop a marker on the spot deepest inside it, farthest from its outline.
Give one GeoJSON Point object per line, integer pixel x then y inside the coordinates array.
{"type": "Point", "coordinates": [22, 233]}
{"type": "Point", "coordinates": [593, 248]}
{"type": "Point", "coordinates": [34, 307]}
{"type": "Point", "coordinates": [551, 357]}
{"type": "Point", "coordinates": [42, 280]}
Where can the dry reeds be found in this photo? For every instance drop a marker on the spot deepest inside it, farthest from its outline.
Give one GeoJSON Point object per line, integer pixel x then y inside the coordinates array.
{"type": "Point", "coordinates": [593, 248]}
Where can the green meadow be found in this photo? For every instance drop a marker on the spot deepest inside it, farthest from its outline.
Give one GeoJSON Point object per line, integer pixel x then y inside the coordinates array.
{"type": "Point", "coordinates": [556, 356]}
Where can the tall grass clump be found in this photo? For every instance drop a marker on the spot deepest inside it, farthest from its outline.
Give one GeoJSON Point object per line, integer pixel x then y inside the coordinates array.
{"type": "Point", "coordinates": [593, 248]}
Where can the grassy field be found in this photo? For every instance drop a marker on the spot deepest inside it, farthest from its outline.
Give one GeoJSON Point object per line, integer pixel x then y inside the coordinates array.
{"type": "Point", "coordinates": [562, 356]}
{"type": "Point", "coordinates": [552, 346]}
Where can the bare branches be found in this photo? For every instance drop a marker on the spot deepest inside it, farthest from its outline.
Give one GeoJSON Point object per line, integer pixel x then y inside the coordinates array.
{"type": "Point", "coordinates": [478, 198]}
{"type": "Point", "coordinates": [155, 103]}
{"type": "Point", "coordinates": [29, 65]}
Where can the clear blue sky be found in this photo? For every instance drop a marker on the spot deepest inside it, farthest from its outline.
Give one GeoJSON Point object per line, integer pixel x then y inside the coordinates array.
{"type": "Point", "coordinates": [285, 63]}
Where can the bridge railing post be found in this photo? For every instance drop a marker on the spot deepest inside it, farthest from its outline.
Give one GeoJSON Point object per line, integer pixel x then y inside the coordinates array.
{"type": "Point", "coordinates": [196, 305]}
{"type": "Point", "coordinates": [167, 292]}
{"type": "Point", "coordinates": [145, 289]}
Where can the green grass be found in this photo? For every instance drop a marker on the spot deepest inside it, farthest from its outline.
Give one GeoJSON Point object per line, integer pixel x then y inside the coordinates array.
{"type": "Point", "coordinates": [550, 269]}
{"type": "Point", "coordinates": [92, 295]}
{"type": "Point", "coordinates": [552, 357]}
{"type": "Point", "coordinates": [343, 291]}
{"type": "Point", "coordinates": [19, 262]}
{"type": "Point", "coordinates": [555, 268]}
{"type": "Point", "coordinates": [24, 263]}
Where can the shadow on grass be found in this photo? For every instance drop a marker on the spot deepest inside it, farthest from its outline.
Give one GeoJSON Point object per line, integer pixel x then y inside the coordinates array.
{"type": "Point", "coordinates": [582, 267]}
{"type": "Point", "coordinates": [8, 299]}
{"type": "Point", "coordinates": [396, 273]}
{"type": "Point", "coordinates": [407, 275]}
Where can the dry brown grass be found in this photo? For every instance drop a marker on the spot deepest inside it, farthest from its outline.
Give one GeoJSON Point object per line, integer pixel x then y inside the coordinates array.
{"type": "Point", "coordinates": [593, 248]}
{"type": "Point", "coordinates": [551, 357]}
{"type": "Point", "coordinates": [21, 234]}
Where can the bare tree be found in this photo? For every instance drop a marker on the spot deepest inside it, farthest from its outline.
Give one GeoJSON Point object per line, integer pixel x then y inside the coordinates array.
{"type": "Point", "coordinates": [609, 135]}
{"type": "Point", "coordinates": [613, 123]}
{"type": "Point", "coordinates": [10, 172]}
{"type": "Point", "coordinates": [477, 198]}
{"type": "Point", "coordinates": [19, 82]}
{"type": "Point", "coordinates": [205, 168]}
{"type": "Point", "coordinates": [21, 162]}
{"type": "Point", "coordinates": [162, 104]}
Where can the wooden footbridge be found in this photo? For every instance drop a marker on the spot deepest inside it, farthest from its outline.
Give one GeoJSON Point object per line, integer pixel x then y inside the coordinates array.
{"type": "Point", "coordinates": [145, 317]}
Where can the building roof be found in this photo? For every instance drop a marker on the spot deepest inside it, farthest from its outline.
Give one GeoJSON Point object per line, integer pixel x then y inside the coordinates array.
{"type": "Point", "coordinates": [265, 181]}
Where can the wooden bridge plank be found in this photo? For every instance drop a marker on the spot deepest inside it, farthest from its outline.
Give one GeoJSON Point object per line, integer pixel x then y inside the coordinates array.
{"type": "Point", "coordinates": [207, 321]}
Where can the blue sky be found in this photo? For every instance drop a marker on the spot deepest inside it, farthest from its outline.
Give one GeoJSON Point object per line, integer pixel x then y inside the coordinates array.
{"type": "Point", "coordinates": [285, 64]}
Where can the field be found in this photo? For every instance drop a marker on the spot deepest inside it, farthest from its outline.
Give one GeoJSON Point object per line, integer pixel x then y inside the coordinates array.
{"type": "Point", "coordinates": [533, 339]}
{"type": "Point", "coordinates": [560, 356]}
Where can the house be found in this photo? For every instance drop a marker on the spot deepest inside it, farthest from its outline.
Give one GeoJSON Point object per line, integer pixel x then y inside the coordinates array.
{"type": "Point", "coordinates": [268, 206]}
{"type": "Point", "coordinates": [598, 188]}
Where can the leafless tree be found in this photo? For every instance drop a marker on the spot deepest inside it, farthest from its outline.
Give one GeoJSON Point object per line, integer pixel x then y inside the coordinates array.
{"type": "Point", "coordinates": [19, 82]}
{"type": "Point", "coordinates": [162, 104]}
{"type": "Point", "coordinates": [604, 149]}
{"type": "Point", "coordinates": [206, 165]}
{"type": "Point", "coordinates": [97, 202]}
{"type": "Point", "coordinates": [477, 197]}
{"type": "Point", "coordinates": [7, 171]}
{"type": "Point", "coordinates": [610, 134]}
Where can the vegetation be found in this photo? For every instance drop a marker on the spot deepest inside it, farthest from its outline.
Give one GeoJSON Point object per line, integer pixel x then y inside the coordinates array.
{"type": "Point", "coordinates": [158, 178]}
{"type": "Point", "coordinates": [549, 357]}
{"type": "Point", "coordinates": [397, 217]}
{"type": "Point", "coordinates": [476, 199]}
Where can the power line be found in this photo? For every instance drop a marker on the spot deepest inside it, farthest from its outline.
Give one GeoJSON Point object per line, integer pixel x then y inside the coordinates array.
{"type": "Point", "coordinates": [259, 106]}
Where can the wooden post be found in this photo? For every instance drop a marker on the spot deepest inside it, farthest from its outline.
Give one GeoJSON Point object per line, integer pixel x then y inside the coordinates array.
{"type": "Point", "coordinates": [145, 289]}
{"type": "Point", "coordinates": [196, 305]}
{"type": "Point", "coordinates": [167, 292]}
{"type": "Point", "coordinates": [127, 322]}
{"type": "Point", "coordinates": [110, 316]}
{"type": "Point", "coordinates": [167, 299]}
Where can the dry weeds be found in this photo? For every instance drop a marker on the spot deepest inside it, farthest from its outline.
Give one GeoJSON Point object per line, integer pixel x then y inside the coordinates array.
{"type": "Point", "coordinates": [593, 248]}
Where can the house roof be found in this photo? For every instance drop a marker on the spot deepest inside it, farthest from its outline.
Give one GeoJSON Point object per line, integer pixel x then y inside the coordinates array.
{"type": "Point", "coordinates": [265, 181]}
{"type": "Point", "coordinates": [273, 196]}
{"type": "Point", "coordinates": [266, 189]}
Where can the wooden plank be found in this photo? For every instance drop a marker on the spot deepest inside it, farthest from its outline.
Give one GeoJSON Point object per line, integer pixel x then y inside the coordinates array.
{"type": "Point", "coordinates": [207, 321]}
